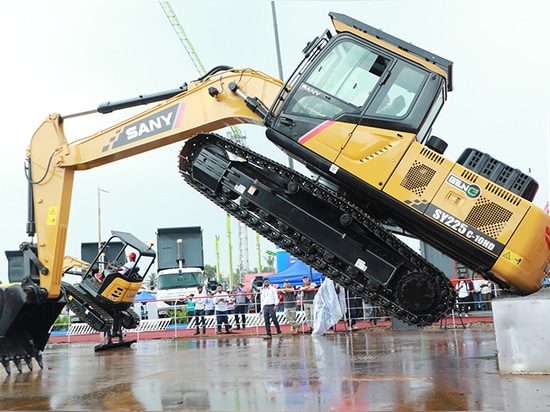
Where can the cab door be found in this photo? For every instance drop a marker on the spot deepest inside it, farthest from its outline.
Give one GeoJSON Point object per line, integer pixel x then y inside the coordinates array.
{"type": "Point", "coordinates": [324, 108]}
{"type": "Point", "coordinates": [389, 123]}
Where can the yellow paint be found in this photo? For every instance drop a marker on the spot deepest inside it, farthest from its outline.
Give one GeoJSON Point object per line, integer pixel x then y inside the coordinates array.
{"type": "Point", "coordinates": [512, 257]}
{"type": "Point", "coordinates": [52, 216]}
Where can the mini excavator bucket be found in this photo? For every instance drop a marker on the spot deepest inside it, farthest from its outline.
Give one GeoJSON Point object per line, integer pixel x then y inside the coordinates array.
{"type": "Point", "coordinates": [25, 322]}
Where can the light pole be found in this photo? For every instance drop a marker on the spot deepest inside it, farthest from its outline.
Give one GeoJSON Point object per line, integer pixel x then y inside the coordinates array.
{"type": "Point", "coordinates": [99, 190]}
{"type": "Point", "coordinates": [279, 59]}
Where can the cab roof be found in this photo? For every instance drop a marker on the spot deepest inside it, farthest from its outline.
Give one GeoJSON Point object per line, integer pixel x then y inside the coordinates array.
{"type": "Point", "coordinates": [345, 23]}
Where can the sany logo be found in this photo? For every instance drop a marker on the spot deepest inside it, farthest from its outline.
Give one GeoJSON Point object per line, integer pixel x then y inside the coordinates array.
{"type": "Point", "coordinates": [149, 125]}
{"type": "Point", "coordinates": [472, 191]}
{"type": "Point", "coordinates": [311, 90]}
{"type": "Point", "coordinates": [152, 125]}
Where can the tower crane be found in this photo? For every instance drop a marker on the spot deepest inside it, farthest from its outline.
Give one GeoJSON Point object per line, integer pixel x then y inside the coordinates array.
{"type": "Point", "coordinates": [235, 134]}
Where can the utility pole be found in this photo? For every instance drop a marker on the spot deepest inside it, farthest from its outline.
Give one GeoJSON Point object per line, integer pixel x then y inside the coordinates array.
{"type": "Point", "coordinates": [218, 273]}
{"type": "Point", "coordinates": [99, 190]}
{"type": "Point", "coordinates": [259, 252]}
{"type": "Point", "coordinates": [230, 251]}
{"type": "Point", "coordinates": [279, 59]}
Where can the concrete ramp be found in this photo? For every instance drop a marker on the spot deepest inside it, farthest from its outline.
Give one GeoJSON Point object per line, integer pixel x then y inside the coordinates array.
{"type": "Point", "coordinates": [523, 333]}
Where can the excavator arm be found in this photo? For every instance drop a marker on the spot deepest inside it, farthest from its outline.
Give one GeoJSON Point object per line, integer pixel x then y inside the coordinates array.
{"type": "Point", "coordinates": [203, 105]}
{"type": "Point", "coordinates": [28, 310]}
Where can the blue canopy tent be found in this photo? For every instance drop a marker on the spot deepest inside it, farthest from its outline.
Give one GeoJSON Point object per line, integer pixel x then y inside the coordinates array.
{"type": "Point", "coordinates": [295, 273]}
{"type": "Point", "coordinates": [144, 296]}
{"type": "Point", "coordinates": [148, 303]}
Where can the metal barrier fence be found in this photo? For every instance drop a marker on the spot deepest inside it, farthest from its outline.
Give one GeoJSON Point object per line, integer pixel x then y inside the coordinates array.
{"type": "Point", "coordinates": [148, 325]}
{"type": "Point", "coordinates": [368, 312]}
{"type": "Point", "coordinates": [252, 320]}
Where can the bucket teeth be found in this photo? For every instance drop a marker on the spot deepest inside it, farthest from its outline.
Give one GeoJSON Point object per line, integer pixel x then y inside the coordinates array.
{"type": "Point", "coordinates": [38, 358]}
{"type": "Point", "coordinates": [17, 362]}
{"type": "Point", "coordinates": [28, 361]}
{"type": "Point", "coordinates": [25, 323]}
{"type": "Point", "coordinates": [6, 365]}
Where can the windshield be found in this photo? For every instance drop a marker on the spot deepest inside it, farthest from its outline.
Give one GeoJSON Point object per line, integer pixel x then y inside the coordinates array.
{"type": "Point", "coordinates": [179, 280]}
{"type": "Point", "coordinates": [342, 80]}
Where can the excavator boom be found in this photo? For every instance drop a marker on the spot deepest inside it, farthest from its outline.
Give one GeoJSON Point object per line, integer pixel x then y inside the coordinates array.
{"type": "Point", "coordinates": [28, 310]}
{"type": "Point", "coordinates": [204, 105]}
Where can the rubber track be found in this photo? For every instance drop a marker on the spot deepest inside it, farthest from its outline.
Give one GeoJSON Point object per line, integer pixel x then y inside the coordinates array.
{"type": "Point", "coordinates": [131, 316]}
{"type": "Point", "coordinates": [305, 248]}
{"type": "Point", "coordinates": [98, 310]}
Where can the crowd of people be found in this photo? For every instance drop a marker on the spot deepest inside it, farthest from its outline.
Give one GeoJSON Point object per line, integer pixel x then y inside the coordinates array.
{"type": "Point", "coordinates": [473, 295]}
{"type": "Point", "coordinates": [230, 307]}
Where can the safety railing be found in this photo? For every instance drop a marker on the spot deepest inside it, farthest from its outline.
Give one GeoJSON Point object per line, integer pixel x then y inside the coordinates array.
{"type": "Point", "coordinates": [364, 312]}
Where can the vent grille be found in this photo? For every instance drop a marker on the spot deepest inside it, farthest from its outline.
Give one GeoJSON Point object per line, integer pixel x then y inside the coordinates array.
{"type": "Point", "coordinates": [504, 194]}
{"type": "Point", "coordinates": [493, 188]}
{"type": "Point", "coordinates": [377, 153]}
{"type": "Point", "coordinates": [418, 178]}
{"type": "Point", "coordinates": [469, 176]}
{"type": "Point", "coordinates": [431, 155]}
{"type": "Point", "coordinates": [488, 217]}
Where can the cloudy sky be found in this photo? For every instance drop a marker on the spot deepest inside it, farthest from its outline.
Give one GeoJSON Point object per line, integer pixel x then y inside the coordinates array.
{"type": "Point", "coordinates": [70, 56]}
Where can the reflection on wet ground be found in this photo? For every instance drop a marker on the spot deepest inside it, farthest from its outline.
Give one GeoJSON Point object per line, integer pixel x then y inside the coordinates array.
{"type": "Point", "coordinates": [390, 370]}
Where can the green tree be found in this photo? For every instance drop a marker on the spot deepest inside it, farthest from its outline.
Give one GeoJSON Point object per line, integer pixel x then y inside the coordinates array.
{"type": "Point", "coordinates": [210, 271]}
{"type": "Point", "coordinates": [178, 316]}
{"type": "Point", "coordinates": [61, 323]}
{"type": "Point", "coordinates": [152, 280]}
{"type": "Point", "coordinates": [270, 260]}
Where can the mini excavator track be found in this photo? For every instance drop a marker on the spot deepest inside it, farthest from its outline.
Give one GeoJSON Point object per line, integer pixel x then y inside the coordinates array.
{"type": "Point", "coordinates": [87, 309]}
{"type": "Point", "coordinates": [319, 227]}
{"type": "Point", "coordinates": [130, 319]}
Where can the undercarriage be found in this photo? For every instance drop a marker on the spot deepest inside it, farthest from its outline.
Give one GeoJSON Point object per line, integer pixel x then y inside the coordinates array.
{"type": "Point", "coordinates": [112, 323]}
{"type": "Point", "coordinates": [318, 226]}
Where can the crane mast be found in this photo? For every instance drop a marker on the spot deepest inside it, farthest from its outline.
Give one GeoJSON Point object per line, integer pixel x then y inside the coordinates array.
{"type": "Point", "coordinates": [234, 135]}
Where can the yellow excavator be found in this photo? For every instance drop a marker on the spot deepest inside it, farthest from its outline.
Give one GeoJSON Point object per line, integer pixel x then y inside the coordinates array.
{"type": "Point", "coordinates": [358, 112]}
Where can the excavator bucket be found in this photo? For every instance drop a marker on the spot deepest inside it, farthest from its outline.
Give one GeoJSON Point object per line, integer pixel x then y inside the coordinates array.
{"type": "Point", "coordinates": [25, 324]}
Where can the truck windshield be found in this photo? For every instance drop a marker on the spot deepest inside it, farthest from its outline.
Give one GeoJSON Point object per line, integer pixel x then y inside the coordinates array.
{"type": "Point", "coordinates": [179, 280]}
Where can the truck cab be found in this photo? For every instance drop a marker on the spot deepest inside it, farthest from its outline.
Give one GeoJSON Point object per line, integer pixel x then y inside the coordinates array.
{"type": "Point", "coordinates": [175, 285]}
{"type": "Point", "coordinates": [180, 266]}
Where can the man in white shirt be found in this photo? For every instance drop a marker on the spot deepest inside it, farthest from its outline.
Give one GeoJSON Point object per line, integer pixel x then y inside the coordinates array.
{"type": "Point", "coordinates": [269, 301]}
{"type": "Point", "coordinates": [122, 269]}
{"type": "Point", "coordinates": [220, 301]}
{"type": "Point", "coordinates": [463, 294]}
{"type": "Point", "coordinates": [478, 300]}
{"type": "Point", "coordinates": [200, 306]}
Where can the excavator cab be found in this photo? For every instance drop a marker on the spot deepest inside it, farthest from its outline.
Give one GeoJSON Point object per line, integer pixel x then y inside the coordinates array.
{"type": "Point", "coordinates": [354, 94]}
{"type": "Point", "coordinates": [104, 297]}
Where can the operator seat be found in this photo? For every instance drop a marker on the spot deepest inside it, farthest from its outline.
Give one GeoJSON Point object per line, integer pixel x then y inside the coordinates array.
{"type": "Point", "coordinates": [395, 107]}
{"type": "Point", "coordinates": [133, 274]}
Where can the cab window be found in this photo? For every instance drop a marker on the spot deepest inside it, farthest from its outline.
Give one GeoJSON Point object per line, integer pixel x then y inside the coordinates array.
{"type": "Point", "coordinates": [343, 80]}
{"type": "Point", "coordinates": [402, 91]}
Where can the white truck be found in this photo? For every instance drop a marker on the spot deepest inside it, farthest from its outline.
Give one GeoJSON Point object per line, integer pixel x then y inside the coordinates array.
{"type": "Point", "coordinates": [180, 261]}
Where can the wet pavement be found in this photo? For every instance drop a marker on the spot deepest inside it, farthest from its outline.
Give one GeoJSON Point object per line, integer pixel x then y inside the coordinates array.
{"type": "Point", "coordinates": [383, 370]}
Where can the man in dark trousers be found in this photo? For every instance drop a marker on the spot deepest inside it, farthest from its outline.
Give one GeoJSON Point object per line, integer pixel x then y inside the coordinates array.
{"type": "Point", "coordinates": [289, 302]}
{"type": "Point", "coordinates": [269, 300]}
{"type": "Point", "coordinates": [309, 290]}
{"type": "Point", "coordinates": [241, 306]}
